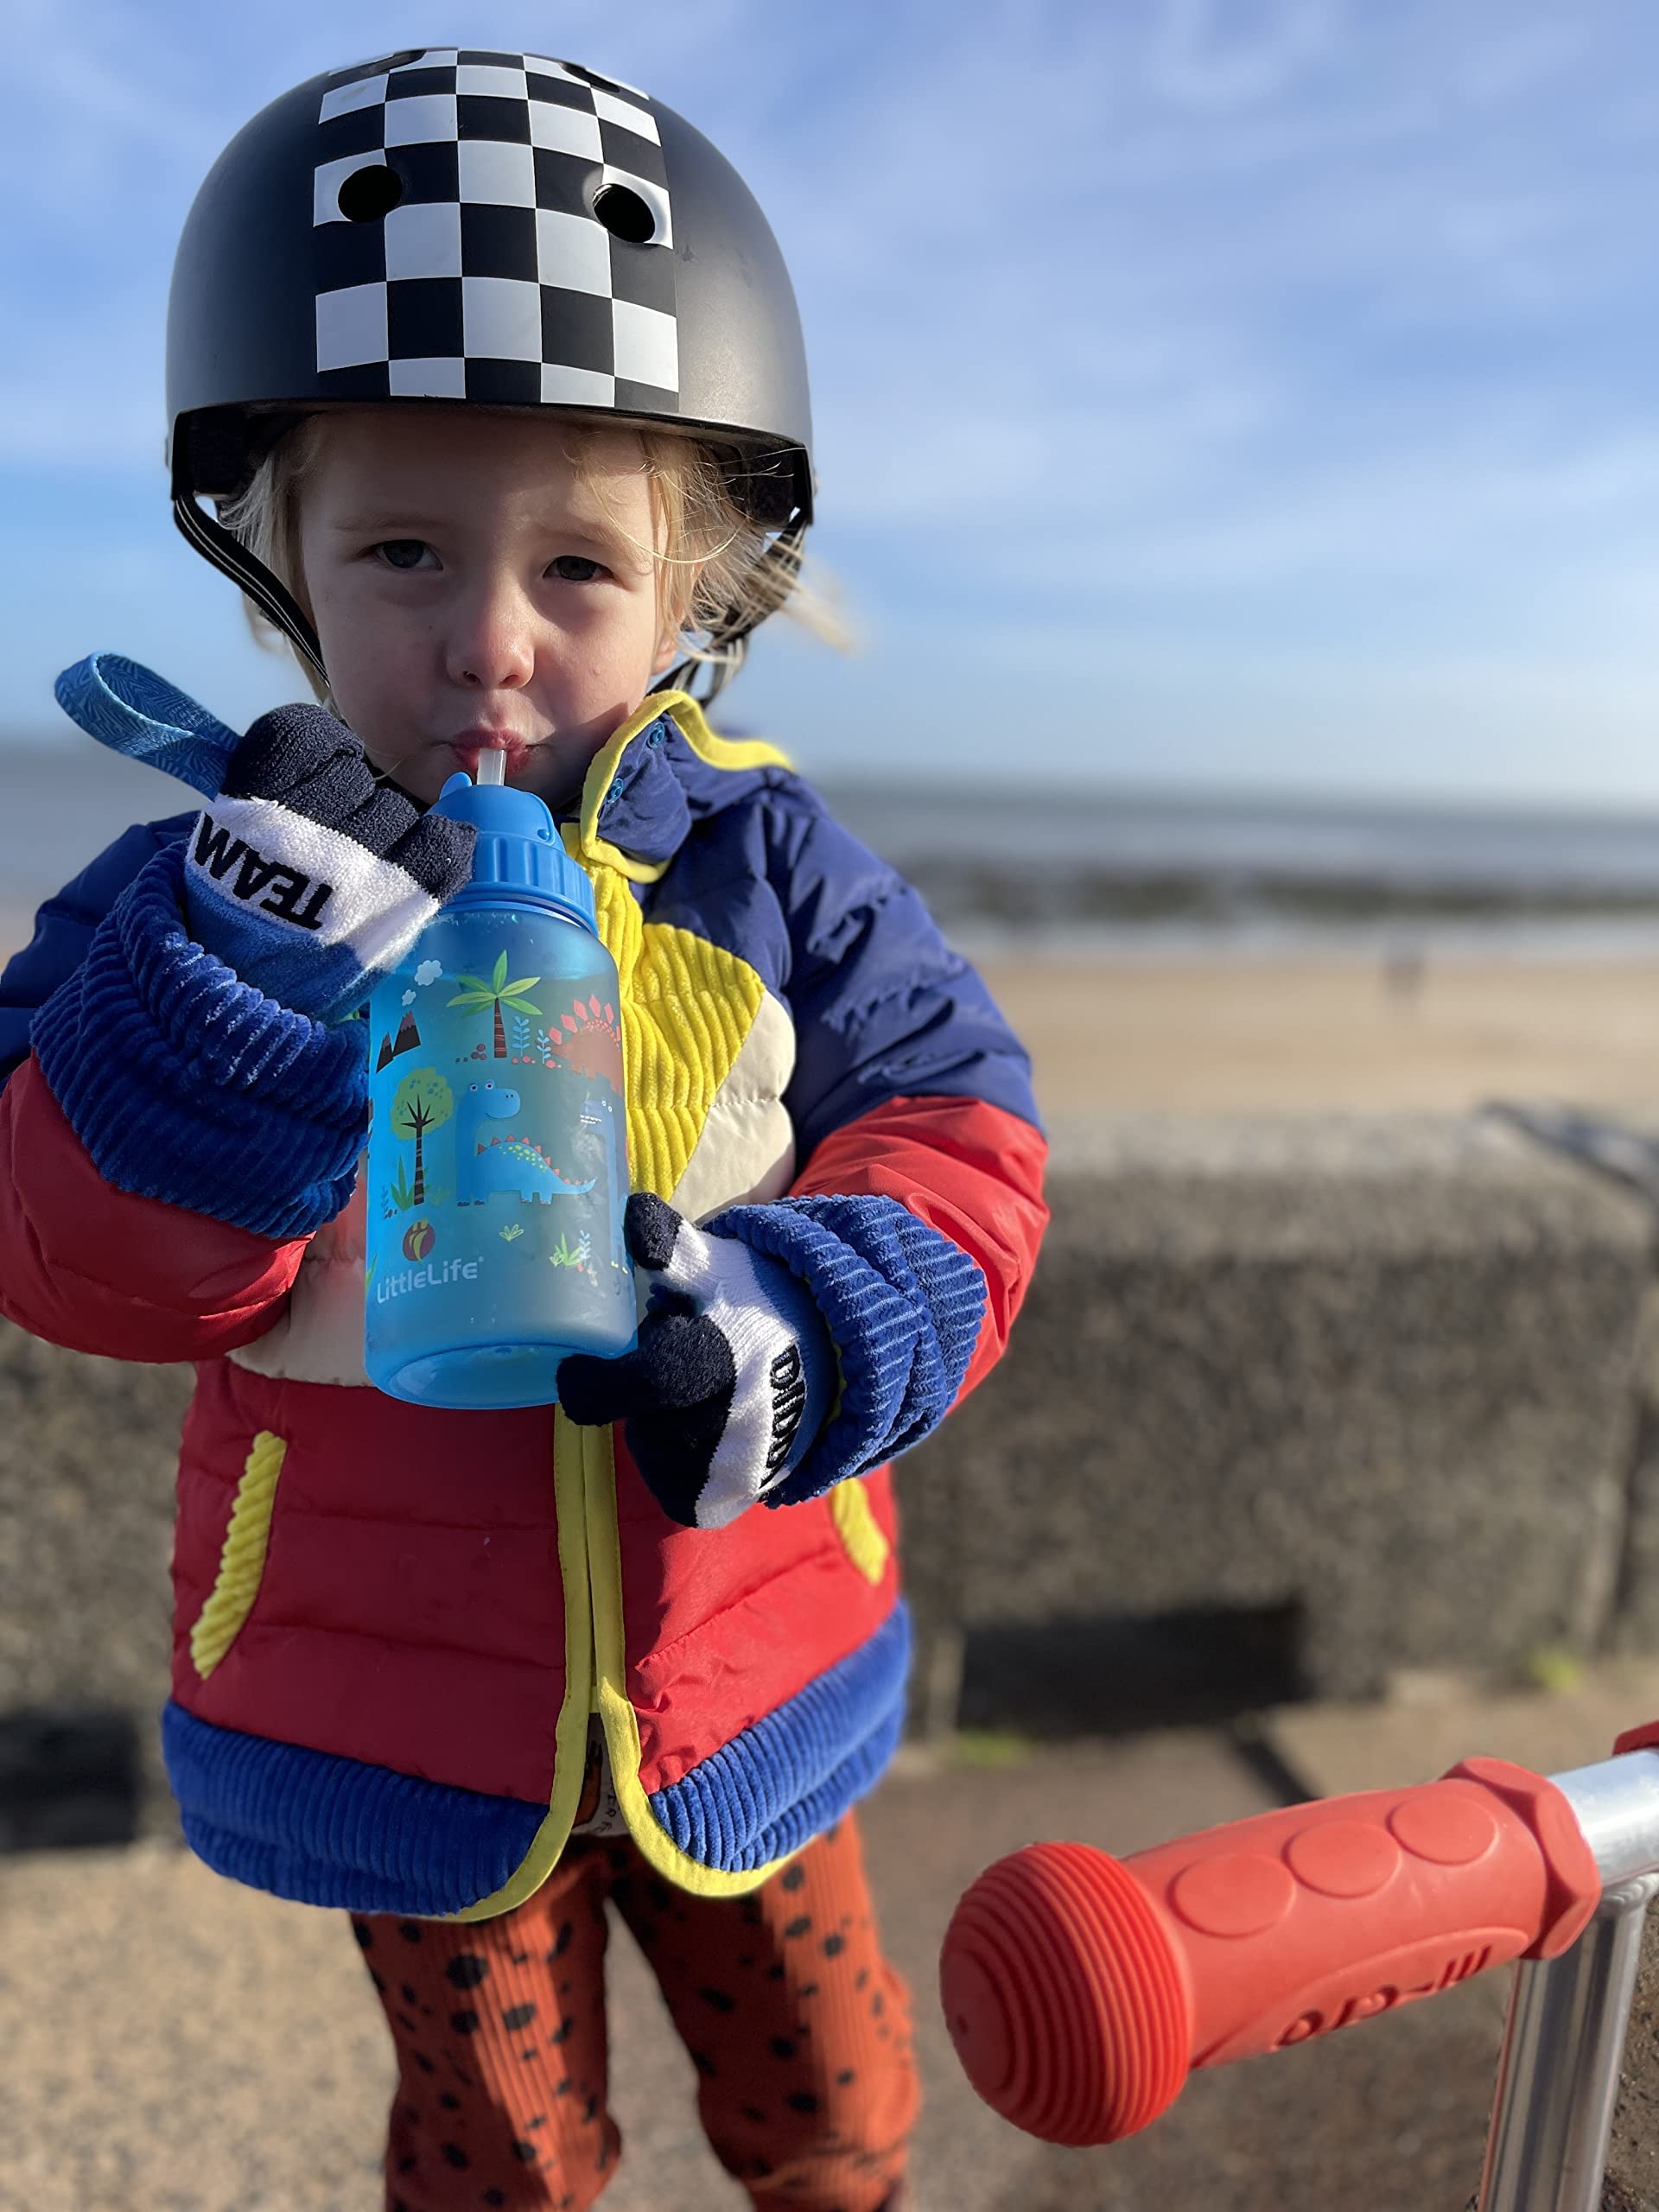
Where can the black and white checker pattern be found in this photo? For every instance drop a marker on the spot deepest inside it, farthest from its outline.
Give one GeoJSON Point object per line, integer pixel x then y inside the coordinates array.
{"type": "Point", "coordinates": [491, 279]}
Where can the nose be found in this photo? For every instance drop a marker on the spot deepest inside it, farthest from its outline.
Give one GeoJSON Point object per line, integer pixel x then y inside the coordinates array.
{"type": "Point", "coordinates": [490, 646]}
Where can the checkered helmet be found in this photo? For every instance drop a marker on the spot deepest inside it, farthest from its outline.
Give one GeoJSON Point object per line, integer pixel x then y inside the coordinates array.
{"type": "Point", "coordinates": [499, 230]}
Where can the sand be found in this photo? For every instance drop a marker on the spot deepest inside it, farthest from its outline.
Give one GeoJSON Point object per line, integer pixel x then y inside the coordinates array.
{"type": "Point", "coordinates": [1310, 1035]}
{"type": "Point", "coordinates": [1306, 1035]}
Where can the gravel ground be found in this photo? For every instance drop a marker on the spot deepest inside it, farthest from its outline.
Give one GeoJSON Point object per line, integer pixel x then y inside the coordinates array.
{"type": "Point", "coordinates": [176, 2043]}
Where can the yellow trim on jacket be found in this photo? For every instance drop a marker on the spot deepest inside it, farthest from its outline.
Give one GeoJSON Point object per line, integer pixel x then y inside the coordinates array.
{"type": "Point", "coordinates": [581, 839]}
{"type": "Point", "coordinates": [242, 1558]}
{"type": "Point", "coordinates": [570, 1737]}
{"type": "Point", "coordinates": [687, 1007]}
{"type": "Point", "coordinates": [655, 1847]}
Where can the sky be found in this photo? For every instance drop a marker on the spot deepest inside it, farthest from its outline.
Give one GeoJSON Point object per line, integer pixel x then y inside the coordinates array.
{"type": "Point", "coordinates": [1251, 394]}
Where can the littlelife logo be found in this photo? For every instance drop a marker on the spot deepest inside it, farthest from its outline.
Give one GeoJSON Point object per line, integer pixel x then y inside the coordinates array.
{"type": "Point", "coordinates": [423, 1279]}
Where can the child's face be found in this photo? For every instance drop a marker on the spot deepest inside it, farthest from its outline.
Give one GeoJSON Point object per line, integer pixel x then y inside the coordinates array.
{"type": "Point", "coordinates": [464, 580]}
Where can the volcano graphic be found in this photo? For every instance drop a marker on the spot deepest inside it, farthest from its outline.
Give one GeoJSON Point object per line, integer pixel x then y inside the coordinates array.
{"type": "Point", "coordinates": [407, 1040]}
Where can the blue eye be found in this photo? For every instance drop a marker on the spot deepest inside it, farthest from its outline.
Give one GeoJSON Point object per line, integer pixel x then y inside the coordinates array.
{"type": "Point", "coordinates": [392, 547]}
{"type": "Point", "coordinates": [567, 562]}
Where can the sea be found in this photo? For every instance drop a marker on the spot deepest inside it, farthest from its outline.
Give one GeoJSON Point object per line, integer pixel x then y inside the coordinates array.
{"type": "Point", "coordinates": [1129, 873]}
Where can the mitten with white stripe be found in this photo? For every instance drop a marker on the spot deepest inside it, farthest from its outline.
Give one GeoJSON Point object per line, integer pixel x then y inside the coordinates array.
{"type": "Point", "coordinates": [308, 877]}
{"type": "Point", "coordinates": [304, 873]}
{"type": "Point", "coordinates": [734, 1375]}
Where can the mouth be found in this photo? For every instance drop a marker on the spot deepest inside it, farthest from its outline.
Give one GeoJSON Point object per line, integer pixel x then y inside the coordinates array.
{"type": "Point", "coordinates": [471, 743]}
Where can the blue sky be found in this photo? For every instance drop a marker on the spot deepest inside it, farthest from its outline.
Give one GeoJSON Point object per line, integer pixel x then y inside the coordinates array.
{"type": "Point", "coordinates": [1262, 393]}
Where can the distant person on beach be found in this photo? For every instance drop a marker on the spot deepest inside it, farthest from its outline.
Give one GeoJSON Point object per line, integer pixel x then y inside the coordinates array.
{"type": "Point", "coordinates": [491, 371]}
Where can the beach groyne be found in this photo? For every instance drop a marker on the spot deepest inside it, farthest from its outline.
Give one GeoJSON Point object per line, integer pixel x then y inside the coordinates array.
{"type": "Point", "coordinates": [1295, 1407]}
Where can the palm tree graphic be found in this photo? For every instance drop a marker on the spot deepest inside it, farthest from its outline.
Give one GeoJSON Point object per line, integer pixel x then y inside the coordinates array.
{"type": "Point", "coordinates": [497, 993]}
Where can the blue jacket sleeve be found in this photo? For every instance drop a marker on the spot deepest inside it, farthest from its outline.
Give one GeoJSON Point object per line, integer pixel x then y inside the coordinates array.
{"type": "Point", "coordinates": [883, 1009]}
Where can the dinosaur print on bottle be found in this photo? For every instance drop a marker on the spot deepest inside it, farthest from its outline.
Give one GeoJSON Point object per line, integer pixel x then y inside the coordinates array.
{"type": "Point", "coordinates": [508, 1160]}
{"type": "Point", "coordinates": [495, 1068]}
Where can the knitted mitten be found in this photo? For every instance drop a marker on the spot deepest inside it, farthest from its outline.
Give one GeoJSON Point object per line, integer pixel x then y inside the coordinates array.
{"type": "Point", "coordinates": [304, 875]}
{"type": "Point", "coordinates": [191, 1050]}
{"type": "Point", "coordinates": [732, 1378]}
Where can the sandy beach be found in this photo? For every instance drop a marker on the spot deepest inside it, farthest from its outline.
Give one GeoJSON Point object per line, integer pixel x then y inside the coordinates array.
{"type": "Point", "coordinates": [1309, 1035]}
{"type": "Point", "coordinates": [1320, 1034]}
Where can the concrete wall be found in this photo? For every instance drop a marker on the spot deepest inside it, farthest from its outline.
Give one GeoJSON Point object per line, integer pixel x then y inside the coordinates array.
{"type": "Point", "coordinates": [1385, 1374]}
{"type": "Point", "coordinates": [1383, 1380]}
{"type": "Point", "coordinates": [88, 1450]}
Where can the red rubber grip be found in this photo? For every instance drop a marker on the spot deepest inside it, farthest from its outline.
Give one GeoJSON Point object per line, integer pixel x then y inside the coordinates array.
{"type": "Point", "coordinates": [1081, 1990]}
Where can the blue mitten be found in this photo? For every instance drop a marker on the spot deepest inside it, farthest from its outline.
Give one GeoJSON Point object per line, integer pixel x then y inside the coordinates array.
{"type": "Point", "coordinates": [191, 1050]}
{"type": "Point", "coordinates": [734, 1375]}
{"type": "Point", "coordinates": [304, 875]}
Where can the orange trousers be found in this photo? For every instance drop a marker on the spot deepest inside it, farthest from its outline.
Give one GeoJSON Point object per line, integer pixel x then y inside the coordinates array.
{"type": "Point", "coordinates": [800, 2030]}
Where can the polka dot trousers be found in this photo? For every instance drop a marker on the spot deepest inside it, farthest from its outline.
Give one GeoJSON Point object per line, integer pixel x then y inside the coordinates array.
{"type": "Point", "coordinates": [798, 2028]}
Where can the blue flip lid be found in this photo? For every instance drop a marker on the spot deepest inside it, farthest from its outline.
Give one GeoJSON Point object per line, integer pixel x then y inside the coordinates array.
{"type": "Point", "coordinates": [519, 851]}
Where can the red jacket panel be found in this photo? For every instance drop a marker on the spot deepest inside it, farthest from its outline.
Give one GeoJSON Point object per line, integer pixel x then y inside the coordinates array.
{"type": "Point", "coordinates": [98, 1270]}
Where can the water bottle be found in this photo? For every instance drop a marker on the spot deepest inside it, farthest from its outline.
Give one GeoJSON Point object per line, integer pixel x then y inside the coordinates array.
{"type": "Point", "coordinates": [497, 1157]}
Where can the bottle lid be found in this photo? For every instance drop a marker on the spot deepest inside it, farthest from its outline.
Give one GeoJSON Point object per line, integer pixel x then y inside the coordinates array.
{"type": "Point", "coordinates": [519, 851]}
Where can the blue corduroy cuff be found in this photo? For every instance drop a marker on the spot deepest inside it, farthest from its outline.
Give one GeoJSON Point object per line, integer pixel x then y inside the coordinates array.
{"type": "Point", "coordinates": [903, 1305]}
{"type": "Point", "coordinates": [186, 1084]}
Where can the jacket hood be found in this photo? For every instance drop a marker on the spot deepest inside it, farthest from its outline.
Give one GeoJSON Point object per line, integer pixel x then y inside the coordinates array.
{"type": "Point", "coordinates": [662, 770]}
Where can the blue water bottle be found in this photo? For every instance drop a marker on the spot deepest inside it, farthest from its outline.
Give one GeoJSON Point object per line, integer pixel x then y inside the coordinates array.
{"type": "Point", "coordinates": [498, 1156]}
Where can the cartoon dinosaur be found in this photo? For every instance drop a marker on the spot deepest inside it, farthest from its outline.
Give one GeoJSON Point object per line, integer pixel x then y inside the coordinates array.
{"type": "Point", "coordinates": [508, 1161]}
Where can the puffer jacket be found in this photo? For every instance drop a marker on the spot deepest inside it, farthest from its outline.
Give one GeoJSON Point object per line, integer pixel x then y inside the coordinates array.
{"type": "Point", "coordinates": [405, 1637]}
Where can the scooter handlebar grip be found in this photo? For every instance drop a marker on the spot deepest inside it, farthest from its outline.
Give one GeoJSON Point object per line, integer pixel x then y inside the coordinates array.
{"type": "Point", "coordinates": [1066, 1995]}
{"type": "Point", "coordinates": [1081, 1990]}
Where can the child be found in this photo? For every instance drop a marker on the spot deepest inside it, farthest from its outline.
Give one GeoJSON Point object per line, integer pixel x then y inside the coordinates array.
{"type": "Point", "coordinates": [494, 372]}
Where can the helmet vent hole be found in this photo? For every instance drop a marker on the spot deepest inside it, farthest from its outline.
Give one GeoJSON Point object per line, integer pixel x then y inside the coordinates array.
{"type": "Point", "coordinates": [368, 193]}
{"type": "Point", "coordinates": [401, 59]}
{"type": "Point", "coordinates": [624, 215]}
{"type": "Point", "coordinates": [592, 77]}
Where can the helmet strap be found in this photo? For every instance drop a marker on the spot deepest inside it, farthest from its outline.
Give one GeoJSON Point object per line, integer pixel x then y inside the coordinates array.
{"type": "Point", "coordinates": [229, 555]}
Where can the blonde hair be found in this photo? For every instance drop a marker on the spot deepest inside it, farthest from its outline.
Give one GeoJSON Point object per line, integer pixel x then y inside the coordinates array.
{"type": "Point", "coordinates": [713, 575]}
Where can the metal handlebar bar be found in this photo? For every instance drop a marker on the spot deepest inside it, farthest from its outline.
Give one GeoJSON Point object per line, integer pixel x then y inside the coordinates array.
{"type": "Point", "coordinates": [1082, 1990]}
